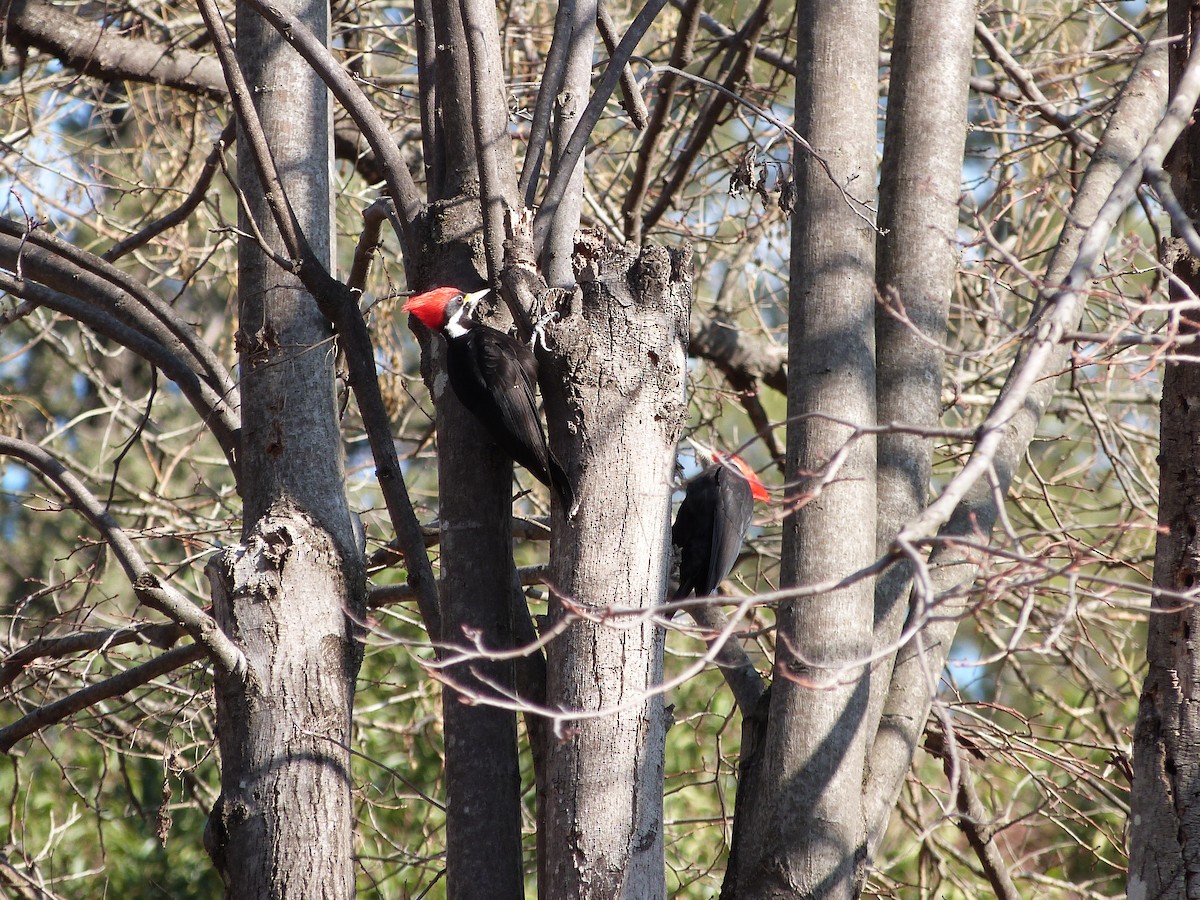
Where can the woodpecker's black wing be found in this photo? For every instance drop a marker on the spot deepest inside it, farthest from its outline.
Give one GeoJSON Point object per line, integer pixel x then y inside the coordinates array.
{"type": "Point", "coordinates": [494, 375]}
{"type": "Point", "coordinates": [735, 509]}
{"type": "Point", "coordinates": [709, 529]}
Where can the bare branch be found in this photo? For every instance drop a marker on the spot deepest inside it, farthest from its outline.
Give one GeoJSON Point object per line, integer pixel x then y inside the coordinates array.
{"type": "Point", "coordinates": [681, 57]}
{"type": "Point", "coordinates": [93, 49]}
{"type": "Point", "coordinates": [551, 84]}
{"type": "Point", "coordinates": [1029, 88]}
{"type": "Point", "coordinates": [633, 102]}
{"type": "Point", "coordinates": [738, 354]}
{"type": "Point", "coordinates": [158, 634]}
{"type": "Point", "coordinates": [735, 665]}
{"type": "Point", "coordinates": [212, 408]}
{"type": "Point", "coordinates": [493, 146]}
{"type": "Point", "coordinates": [973, 819]}
{"type": "Point", "coordinates": [683, 163]}
{"type": "Point", "coordinates": [104, 690]}
{"type": "Point", "coordinates": [67, 268]}
{"type": "Point", "coordinates": [338, 305]}
{"type": "Point", "coordinates": [557, 252]}
{"type": "Point", "coordinates": [565, 165]}
{"type": "Point", "coordinates": [149, 588]}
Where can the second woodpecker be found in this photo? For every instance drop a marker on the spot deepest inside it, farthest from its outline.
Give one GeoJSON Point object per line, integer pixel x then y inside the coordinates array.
{"type": "Point", "coordinates": [712, 522]}
{"type": "Point", "coordinates": [494, 376]}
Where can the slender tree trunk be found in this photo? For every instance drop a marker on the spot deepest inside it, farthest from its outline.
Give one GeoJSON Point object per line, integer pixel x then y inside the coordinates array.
{"type": "Point", "coordinates": [1164, 837]}
{"type": "Point", "coordinates": [918, 218]}
{"type": "Point", "coordinates": [283, 824]}
{"type": "Point", "coordinates": [619, 416]}
{"type": "Point", "coordinates": [951, 567]}
{"type": "Point", "coordinates": [577, 78]}
{"type": "Point", "coordinates": [475, 478]}
{"type": "Point", "coordinates": [806, 834]}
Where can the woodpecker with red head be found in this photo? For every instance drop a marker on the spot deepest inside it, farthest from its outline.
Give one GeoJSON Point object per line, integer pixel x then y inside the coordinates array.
{"type": "Point", "coordinates": [712, 522]}
{"type": "Point", "coordinates": [494, 376]}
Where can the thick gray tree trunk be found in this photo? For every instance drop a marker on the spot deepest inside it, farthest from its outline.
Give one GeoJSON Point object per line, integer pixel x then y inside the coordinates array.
{"type": "Point", "coordinates": [618, 416]}
{"type": "Point", "coordinates": [283, 824]}
{"type": "Point", "coordinates": [805, 834]}
{"type": "Point", "coordinates": [1164, 834]}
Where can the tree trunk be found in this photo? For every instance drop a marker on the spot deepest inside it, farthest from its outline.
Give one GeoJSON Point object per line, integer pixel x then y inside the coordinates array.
{"type": "Point", "coordinates": [619, 411]}
{"type": "Point", "coordinates": [475, 477]}
{"type": "Point", "coordinates": [952, 567]}
{"type": "Point", "coordinates": [1164, 837]}
{"type": "Point", "coordinates": [805, 834]}
{"type": "Point", "coordinates": [283, 824]}
{"type": "Point", "coordinates": [918, 258]}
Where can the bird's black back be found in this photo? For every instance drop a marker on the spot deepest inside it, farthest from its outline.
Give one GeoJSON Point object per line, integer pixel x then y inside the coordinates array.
{"type": "Point", "coordinates": [494, 376]}
{"type": "Point", "coordinates": [709, 528]}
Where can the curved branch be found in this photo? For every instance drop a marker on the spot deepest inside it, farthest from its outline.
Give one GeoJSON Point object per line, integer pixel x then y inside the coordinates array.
{"type": "Point", "coordinates": [93, 694]}
{"type": "Point", "coordinates": [213, 410]}
{"type": "Point", "coordinates": [681, 58]}
{"type": "Point", "coordinates": [1059, 310]}
{"type": "Point", "coordinates": [62, 260]}
{"type": "Point", "coordinates": [149, 589]}
{"type": "Point", "coordinates": [94, 50]}
{"type": "Point", "coordinates": [952, 566]}
{"type": "Point", "coordinates": [179, 214]}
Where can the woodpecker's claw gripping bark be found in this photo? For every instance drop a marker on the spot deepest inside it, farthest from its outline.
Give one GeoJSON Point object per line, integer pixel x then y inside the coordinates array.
{"type": "Point", "coordinates": [539, 330]}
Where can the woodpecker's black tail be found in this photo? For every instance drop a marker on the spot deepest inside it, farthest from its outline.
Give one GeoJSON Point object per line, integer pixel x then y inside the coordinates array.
{"type": "Point", "coordinates": [562, 486]}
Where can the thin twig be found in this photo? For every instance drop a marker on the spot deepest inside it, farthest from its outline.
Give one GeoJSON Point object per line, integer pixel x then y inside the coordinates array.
{"type": "Point", "coordinates": [55, 712]}
{"type": "Point", "coordinates": [180, 213]}
{"type": "Point", "coordinates": [633, 102]}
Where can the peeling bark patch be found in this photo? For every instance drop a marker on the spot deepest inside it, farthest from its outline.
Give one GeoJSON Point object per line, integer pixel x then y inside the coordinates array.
{"type": "Point", "coordinates": [285, 798]}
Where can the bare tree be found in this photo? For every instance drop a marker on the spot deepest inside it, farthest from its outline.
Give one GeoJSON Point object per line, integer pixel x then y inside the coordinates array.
{"type": "Point", "coordinates": [478, 685]}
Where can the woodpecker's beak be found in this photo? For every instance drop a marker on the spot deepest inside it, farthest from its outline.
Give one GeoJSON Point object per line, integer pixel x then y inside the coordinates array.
{"type": "Point", "coordinates": [471, 301]}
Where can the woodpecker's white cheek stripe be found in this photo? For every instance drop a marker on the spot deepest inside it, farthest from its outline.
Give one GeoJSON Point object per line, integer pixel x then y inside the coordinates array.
{"type": "Point", "coordinates": [455, 328]}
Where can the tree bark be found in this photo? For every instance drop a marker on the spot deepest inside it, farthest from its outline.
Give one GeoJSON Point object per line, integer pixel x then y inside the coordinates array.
{"type": "Point", "coordinates": [918, 219]}
{"type": "Point", "coordinates": [952, 568]}
{"type": "Point", "coordinates": [283, 824]}
{"type": "Point", "coordinates": [805, 834]}
{"type": "Point", "coordinates": [617, 408]}
{"type": "Point", "coordinates": [475, 477]}
{"type": "Point", "coordinates": [1164, 837]}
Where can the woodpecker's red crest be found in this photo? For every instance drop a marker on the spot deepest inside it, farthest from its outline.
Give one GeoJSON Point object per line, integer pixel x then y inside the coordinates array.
{"type": "Point", "coordinates": [430, 306]}
{"type": "Point", "coordinates": [756, 486]}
